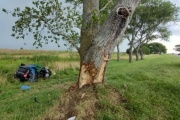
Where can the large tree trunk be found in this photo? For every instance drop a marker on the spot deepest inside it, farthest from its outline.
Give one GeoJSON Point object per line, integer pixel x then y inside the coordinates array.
{"type": "Point", "coordinates": [89, 27]}
{"type": "Point", "coordinates": [95, 56]}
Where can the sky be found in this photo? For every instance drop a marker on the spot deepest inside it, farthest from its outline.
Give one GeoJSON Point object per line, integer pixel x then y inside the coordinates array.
{"type": "Point", "coordinates": [9, 42]}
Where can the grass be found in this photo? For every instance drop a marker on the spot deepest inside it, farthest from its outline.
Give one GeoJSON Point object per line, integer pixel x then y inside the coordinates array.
{"type": "Point", "coordinates": [151, 86]}
{"type": "Point", "coordinates": [17, 104]}
{"type": "Point", "coordinates": [144, 90]}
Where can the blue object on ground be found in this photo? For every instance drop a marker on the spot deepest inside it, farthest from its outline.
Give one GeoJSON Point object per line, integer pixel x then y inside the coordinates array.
{"type": "Point", "coordinates": [25, 87]}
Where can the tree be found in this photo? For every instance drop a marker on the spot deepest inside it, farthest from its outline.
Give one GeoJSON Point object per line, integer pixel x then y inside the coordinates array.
{"type": "Point", "coordinates": [97, 39]}
{"type": "Point", "coordinates": [177, 48]}
{"type": "Point", "coordinates": [145, 50]}
{"type": "Point", "coordinates": [157, 48]}
{"type": "Point", "coordinates": [118, 53]}
{"type": "Point", "coordinates": [149, 23]}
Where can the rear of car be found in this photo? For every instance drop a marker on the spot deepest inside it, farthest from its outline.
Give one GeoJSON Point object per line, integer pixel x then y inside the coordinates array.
{"type": "Point", "coordinates": [22, 73]}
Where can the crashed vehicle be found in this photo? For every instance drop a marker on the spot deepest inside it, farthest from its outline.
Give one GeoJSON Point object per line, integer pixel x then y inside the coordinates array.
{"type": "Point", "coordinates": [32, 72]}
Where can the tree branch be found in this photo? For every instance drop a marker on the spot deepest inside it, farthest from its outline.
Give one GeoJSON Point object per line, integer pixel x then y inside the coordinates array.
{"type": "Point", "coordinates": [67, 38]}
{"type": "Point", "coordinates": [64, 35]}
{"type": "Point", "coordinates": [105, 6]}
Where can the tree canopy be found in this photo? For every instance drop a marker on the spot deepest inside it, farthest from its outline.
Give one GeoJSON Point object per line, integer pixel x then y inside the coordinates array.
{"type": "Point", "coordinates": [151, 48]}
{"type": "Point", "coordinates": [157, 48]}
{"type": "Point", "coordinates": [150, 22]}
{"type": "Point", "coordinates": [177, 48]}
{"type": "Point", "coordinates": [48, 21]}
{"type": "Point", "coordinates": [51, 21]}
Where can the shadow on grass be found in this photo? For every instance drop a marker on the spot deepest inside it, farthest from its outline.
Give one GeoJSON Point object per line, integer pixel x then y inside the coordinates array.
{"type": "Point", "coordinates": [167, 89]}
{"type": "Point", "coordinates": [173, 65]}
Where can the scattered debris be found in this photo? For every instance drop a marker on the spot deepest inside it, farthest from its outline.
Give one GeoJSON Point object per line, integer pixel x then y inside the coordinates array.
{"type": "Point", "coordinates": [72, 118]}
{"type": "Point", "coordinates": [35, 99]}
{"type": "Point", "coordinates": [25, 87]}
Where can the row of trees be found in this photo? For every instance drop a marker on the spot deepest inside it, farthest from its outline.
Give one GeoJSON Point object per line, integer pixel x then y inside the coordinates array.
{"type": "Point", "coordinates": [152, 48]}
{"type": "Point", "coordinates": [177, 48]}
{"type": "Point", "coordinates": [150, 22]}
{"type": "Point", "coordinates": [102, 25]}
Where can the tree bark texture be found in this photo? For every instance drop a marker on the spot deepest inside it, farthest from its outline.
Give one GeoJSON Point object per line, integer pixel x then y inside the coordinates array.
{"type": "Point", "coordinates": [89, 25]}
{"type": "Point", "coordinates": [99, 50]}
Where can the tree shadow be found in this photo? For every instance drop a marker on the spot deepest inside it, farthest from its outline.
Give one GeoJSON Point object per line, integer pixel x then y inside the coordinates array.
{"type": "Point", "coordinates": [174, 65]}
{"type": "Point", "coordinates": [166, 89]}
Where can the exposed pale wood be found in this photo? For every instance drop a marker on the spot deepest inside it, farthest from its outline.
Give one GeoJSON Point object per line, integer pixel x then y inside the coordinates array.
{"type": "Point", "coordinates": [101, 45]}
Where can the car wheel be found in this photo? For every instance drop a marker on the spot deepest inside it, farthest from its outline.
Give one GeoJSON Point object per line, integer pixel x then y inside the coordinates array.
{"type": "Point", "coordinates": [46, 75]}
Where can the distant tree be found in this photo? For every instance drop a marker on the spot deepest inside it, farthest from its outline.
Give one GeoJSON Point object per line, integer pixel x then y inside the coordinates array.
{"type": "Point", "coordinates": [143, 50]}
{"type": "Point", "coordinates": [157, 48]}
{"type": "Point", "coordinates": [127, 51]}
{"type": "Point", "coordinates": [118, 53]}
{"type": "Point", "coordinates": [149, 23]}
{"type": "Point", "coordinates": [177, 48]}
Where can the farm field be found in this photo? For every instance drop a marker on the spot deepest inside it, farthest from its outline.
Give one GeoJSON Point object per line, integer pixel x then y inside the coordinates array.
{"type": "Point", "coordinates": [149, 89]}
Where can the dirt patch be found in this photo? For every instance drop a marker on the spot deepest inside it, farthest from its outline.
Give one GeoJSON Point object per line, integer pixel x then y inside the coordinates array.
{"type": "Point", "coordinates": [83, 103]}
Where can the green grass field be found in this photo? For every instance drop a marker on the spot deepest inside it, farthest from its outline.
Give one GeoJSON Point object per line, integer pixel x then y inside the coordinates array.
{"type": "Point", "coordinates": [150, 88]}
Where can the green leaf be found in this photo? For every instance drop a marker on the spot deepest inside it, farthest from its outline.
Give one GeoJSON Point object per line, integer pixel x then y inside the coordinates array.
{"type": "Point", "coordinates": [4, 10]}
{"type": "Point", "coordinates": [13, 35]}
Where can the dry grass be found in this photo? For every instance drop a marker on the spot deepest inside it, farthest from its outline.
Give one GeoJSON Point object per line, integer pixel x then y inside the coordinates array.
{"type": "Point", "coordinates": [63, 65]}
{"type": "Point", "coordinates": [64, 54]}
{"type": "Point", "coordinates": [21, 52]}
{"type": "Point", "coordinates": [3, 80]}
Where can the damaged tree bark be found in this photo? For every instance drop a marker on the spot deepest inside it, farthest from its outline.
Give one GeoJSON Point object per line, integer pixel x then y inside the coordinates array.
{"type": "Point", "coordinates": [99, 50]}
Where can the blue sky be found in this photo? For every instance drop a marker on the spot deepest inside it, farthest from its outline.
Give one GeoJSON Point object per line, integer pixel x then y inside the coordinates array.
{"type": "Point", "coordinates": [7, 21]}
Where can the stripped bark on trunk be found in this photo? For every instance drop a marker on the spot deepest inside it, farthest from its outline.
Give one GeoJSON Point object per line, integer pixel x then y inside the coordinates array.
{"type": "Point", "coordinates": [97, 53]}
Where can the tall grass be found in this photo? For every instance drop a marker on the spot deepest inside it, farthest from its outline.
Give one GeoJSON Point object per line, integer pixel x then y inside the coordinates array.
{"type": "Point", "coordinates": [30, 52]}
{"type": "Point", "coordinates": [10, 61]}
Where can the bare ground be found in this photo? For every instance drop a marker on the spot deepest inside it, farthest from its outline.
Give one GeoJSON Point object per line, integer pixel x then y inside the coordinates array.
{"type": "Point", "coordinates": [83, 103]}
